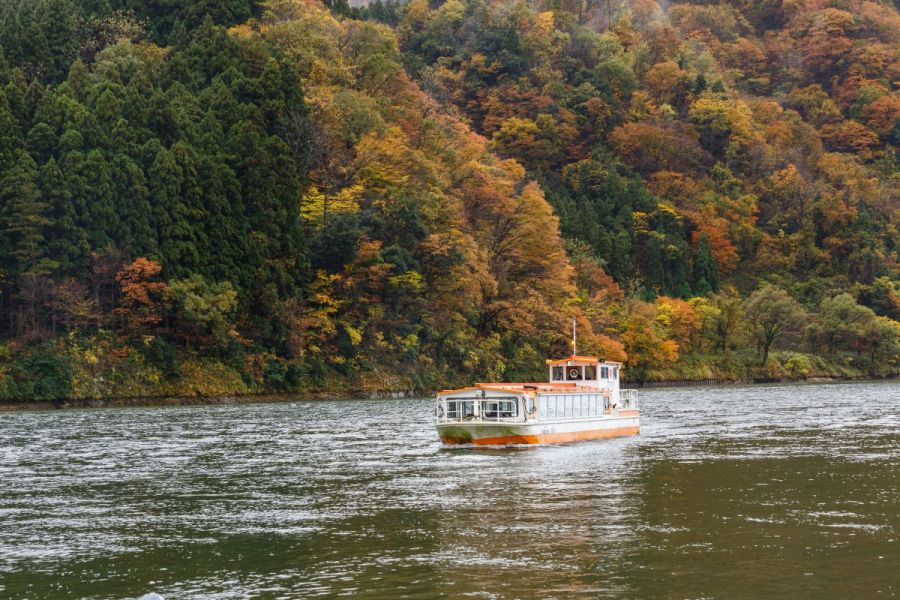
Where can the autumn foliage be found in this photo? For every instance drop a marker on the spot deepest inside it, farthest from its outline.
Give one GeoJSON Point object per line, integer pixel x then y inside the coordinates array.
{"type": "Point", "coordinates": [305, 193]}
{"type": "Point", "coordinates": [140, 303]}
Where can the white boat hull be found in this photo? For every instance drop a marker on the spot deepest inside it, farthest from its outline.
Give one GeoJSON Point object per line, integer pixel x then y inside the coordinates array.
{"type": "Point", "coordinates": [482, 433]}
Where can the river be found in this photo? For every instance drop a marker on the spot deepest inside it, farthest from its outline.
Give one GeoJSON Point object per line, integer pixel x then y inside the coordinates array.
{"type": "Point", "coordinates": [734, 492]}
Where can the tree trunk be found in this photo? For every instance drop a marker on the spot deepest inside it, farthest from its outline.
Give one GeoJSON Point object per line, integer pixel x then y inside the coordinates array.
{"type": "Point", "coordinates": [767, 343]}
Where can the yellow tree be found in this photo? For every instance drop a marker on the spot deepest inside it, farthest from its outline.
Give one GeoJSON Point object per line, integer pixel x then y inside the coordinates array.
{"type": "Point", "coordinates": [678, 320]}
{"type": "Point", "coordinates": [644, 340]}
{"type": "Point", "coordinates": [666, 80]}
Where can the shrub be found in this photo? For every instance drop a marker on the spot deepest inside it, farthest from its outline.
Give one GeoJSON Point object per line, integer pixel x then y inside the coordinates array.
{"type": "Point", "coordinates": [41, 375]}
{"type": "Point", "coordinates": [797, 365]}
{"type": "Point", "coordinates": [162, 355]}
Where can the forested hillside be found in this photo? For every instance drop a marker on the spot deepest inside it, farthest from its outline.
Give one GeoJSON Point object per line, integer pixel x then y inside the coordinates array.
{"type": "Point", "coordinates": [229, 196]}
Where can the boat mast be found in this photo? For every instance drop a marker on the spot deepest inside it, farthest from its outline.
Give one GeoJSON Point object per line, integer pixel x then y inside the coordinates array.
{"type": "Point", "coordinates": [574, 339]}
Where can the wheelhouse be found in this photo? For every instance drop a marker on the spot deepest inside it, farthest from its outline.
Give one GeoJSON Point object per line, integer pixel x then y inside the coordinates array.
{"type": "Point", "coordinates": [585, 371]}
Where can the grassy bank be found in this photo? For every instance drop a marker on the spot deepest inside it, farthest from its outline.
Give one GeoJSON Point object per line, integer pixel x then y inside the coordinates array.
{"type": "Point", "coordinates": [781, 366]}
{"type": "Point", "coordinates": [350, 394]}
{"type": "Point", "coordinates": [94, 372]}
{"type": "Point", "coordinates": [68, 374]}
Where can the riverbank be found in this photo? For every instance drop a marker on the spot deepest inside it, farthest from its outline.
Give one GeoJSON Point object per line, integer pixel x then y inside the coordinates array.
{"type": "Point", "coordinates": [71, 377]}
{"type": "Point", "coordinates": [236, 399]}
{"type": "Point", "coordinates": [227, 399]}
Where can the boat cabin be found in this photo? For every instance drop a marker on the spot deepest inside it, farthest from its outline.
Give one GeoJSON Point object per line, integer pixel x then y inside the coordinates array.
{"type": "Point", "coordinates": [585, 371]}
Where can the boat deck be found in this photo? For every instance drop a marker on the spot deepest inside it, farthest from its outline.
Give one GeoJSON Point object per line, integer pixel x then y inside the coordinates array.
{"type": "Point", "coordinates": [532, 387]}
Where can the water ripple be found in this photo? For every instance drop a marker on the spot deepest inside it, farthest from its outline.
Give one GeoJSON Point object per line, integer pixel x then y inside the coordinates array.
{"type": "Point", "coordinates": [728, 492]}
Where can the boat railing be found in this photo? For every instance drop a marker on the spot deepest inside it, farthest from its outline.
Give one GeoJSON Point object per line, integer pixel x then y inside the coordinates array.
{"type": "Point", "coordinates": [628, 399]}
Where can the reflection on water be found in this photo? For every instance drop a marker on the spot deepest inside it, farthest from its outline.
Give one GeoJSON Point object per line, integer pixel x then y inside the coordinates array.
{"type": "Point", "coordinates": [787, 491]}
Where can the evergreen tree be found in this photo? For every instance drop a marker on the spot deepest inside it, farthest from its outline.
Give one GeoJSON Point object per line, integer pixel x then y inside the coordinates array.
{"type": "Point", "coordinates": [98, 207]}
{"type": "Point", "coordinates": [55, 19]}
{"type": "Point", "coordinates": [133, 207]}
{"type": "Point", "coordinates": [23, 243]}
{"type": "Point", "coordinates": [706, 276]}
{"type": "Point", "coordinates": [169, 213]}
{"type": "Point", "coordinates": [699, 83]}
{"type": "Point", "coordinates": [23, 215]}
{"type": "Point", "coordinates": [68, 244]}
{"type": "Point", "coordinates": [10, 138]}
{"type": "Point", "coordinates": [41, 142]}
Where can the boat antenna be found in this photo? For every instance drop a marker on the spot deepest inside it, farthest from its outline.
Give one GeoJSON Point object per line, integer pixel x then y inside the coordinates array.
{"type": "Point", "coordinates": [574, 339]}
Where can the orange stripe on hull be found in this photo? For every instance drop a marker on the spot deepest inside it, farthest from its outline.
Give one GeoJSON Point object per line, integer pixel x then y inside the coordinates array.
{"type": "Point", "coordinates": [551, 438]}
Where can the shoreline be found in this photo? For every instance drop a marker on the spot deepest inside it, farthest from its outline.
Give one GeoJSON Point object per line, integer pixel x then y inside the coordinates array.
{"type": "Point", "coordinates": [223, 400]}
{"type": "Point", "coordinates": [266, 398]}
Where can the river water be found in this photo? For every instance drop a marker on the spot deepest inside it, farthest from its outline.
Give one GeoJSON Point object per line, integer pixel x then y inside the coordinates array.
{"type": "Point", "coordinates": [755, 492]}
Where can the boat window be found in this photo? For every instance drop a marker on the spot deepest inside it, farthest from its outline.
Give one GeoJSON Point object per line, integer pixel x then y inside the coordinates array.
{"type": "Point", "coordinates": [499, 409]}
{"type": "Point", "coordinates": [542, 406]}
{"type": "Point", "coordinates": [605, 402]}
{"type": "Point", "coordinates": [558, 374]}
{"type": "Point", "coordinates": [460, 409]}
{"type": "Point", "coordinates": [508, 408]}
{"type": "Point", "coordinates": [604, 372]}
{"type": "Point", "coordinates": [590, 372]}
{"type": "Point", "coordinates": [585, 406]}
{"type": "Point", "coordinates": [615, 372]}
{"type": "Point", "coordinates": [551, 407]}
{"type": "Point", "coordinates": [593, 408]}
{"type": "Point", "coordinates": [570, 406]}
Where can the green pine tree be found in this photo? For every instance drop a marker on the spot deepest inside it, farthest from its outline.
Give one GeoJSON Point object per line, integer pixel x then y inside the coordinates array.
{"type": "Point", "coordinates": [706, 274]}
{"type": "Point", "coordinates": [23, 219]}
{"type": "Point", "coordinates": [67, 241]}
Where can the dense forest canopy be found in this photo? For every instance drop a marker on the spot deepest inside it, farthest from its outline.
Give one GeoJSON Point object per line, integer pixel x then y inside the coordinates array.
{"type": "Point", "coordinates": [232, 196]}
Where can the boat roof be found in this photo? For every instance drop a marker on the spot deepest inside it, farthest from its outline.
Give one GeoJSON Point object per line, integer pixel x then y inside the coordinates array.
{"type": "Point", "coordinates": [556, 386]}
{"type": "Point", "coordinates": [584, 360]}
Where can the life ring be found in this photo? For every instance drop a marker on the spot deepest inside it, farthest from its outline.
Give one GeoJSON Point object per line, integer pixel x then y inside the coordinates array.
{"type": "Point", "coordinates": [574, 373]}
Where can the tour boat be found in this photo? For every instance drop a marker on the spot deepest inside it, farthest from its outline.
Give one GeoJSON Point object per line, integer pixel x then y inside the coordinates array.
{"type": "Point", "coordinates": [582, 401]}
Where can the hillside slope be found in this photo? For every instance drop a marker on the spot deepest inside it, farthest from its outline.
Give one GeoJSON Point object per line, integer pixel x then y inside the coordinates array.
{"type": "Point", "coordinates": [399, 196]}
